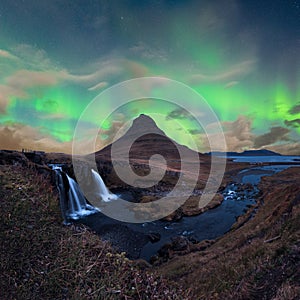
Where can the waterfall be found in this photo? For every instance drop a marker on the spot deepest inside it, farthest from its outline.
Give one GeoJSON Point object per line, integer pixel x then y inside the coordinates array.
{"type": "Point", "coordinates": [72, 201]}
{"type": "Point", "coordinates": [78, 207]}
{"type": "Point", "coordinates": [101, 188]}
{"type": "Point", "coordinates": [62, 193]}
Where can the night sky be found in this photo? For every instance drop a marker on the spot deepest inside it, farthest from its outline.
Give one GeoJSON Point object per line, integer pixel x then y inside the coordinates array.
{"type": "Point", "coordinates": [241, 56]}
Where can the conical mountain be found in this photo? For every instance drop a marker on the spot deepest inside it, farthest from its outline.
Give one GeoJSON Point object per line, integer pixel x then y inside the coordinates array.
{"type": "Point", "coordinates": [145, 139]}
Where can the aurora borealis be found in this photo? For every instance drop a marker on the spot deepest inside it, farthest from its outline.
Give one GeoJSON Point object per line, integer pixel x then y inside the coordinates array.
{"type": "Point", "coordinates": [241, 56]}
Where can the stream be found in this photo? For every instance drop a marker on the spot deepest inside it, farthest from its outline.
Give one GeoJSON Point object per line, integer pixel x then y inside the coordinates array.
{"type": "Point", "coordinates": [134, 239]}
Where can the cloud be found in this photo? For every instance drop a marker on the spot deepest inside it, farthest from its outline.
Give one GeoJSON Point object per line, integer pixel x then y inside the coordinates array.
{"type": "Point", "coordinates": [230, 84]}
{"type": "Point", "coordinates": [17, 85]}
{"type": "Point", "coordinates": [24, 79]}
{"type": "Point", "coordinates": [33, 69]}
{"type": "Point", "coordinates": [295, 110]}
{"type": "Point", "coordinates": [238, 136]}
{"type": "Point", "coordinates": [286, 149]}
{"type": "Point", "coordinates": [292, 123]}
{"type": "Point", "coordinates": [240, 128]}
{"type": "Point", "coordinates": [195, 131]}
{"type": "Point", "coordinates": [179, 114]}
{"type": "Point", "coordinates": [29, 68]}
{"type": "Point", "coordinates": [135, 69]}
{"type": "Point", "coordinates": [106, 71]}
{"type": "Point", "coordinates": [231, 74]}
{"type": "Point", "coordinates": [276, 134]}
{"type": "Point", "coordinates": [18, 136]}
{"type": "Point", "coordinates": [6, 93]}
{"type": "Point", "coordinates": [6, 54]}
{"type": "Point", "coordinates": [98, 86]}
{"type": "Point", "coordinates": [118, 126]}
{"type": "Point", "coordinates": [147, 52]}
{"type": "Point", "coordinates": [32, 57]}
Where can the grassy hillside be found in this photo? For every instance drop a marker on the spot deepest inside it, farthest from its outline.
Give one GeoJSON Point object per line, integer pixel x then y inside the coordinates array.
{"type": "Point", "coordinates": [42, 259]}
{"type": "Point", "coordinates": [259, 259]}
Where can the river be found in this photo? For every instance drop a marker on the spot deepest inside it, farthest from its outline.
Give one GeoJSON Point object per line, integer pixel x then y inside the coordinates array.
{"type": "Point", "coordinates": [133, 238]}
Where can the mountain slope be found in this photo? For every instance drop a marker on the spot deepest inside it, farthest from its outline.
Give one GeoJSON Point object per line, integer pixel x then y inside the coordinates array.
{"type": "Point", "coordinates": [147, 140]}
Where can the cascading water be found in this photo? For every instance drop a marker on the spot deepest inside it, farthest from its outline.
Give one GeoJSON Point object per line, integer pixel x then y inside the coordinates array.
{"type": "Point", "coordinates": [78, 207]}
{"type": "Point", "coordinates": [101, 188]}
{"type": "Point", "coordinates": [72, 201]}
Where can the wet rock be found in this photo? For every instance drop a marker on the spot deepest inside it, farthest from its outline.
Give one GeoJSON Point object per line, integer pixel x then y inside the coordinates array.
{"type": "Point", "coordinates": [191, 206]}
{"type": "Point", "coordinates": [193, 240]}
{"type": "Point", "coordinates": [154, 237]}
{"type": "Point", "coordinates": [175, 216]}
{"type": "Point", "coordinates": [164, 251]}
{"type": "Point", "coordinates": [179, 243]}
{"type": "Point", "coordinates": [154, 260]}
{"type": "Point", "coordinates": [216, 201]}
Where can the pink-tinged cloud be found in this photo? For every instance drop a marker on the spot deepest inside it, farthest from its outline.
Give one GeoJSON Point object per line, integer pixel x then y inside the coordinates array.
{"type": "Point", "coordinates": [6, 93]}
{"type": "Point", "coordinates": [231, 74]}
{"type": "Point", "coordinates": [16, 85]}
{"type": "Point", "coordinates": [98, 86]}
{"type": "Point", "coordinates": [23, 79]}
{"type": "Point", "coordinates": [6, 54]}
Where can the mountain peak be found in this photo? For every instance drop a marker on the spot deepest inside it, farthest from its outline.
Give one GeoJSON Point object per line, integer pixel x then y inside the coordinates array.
{"type": "Point", "coordinates": [144, 120]}
{"type": "Point", "coordinates": [144, 124]}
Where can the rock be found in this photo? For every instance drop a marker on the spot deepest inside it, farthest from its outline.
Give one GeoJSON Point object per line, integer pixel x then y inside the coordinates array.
{"type": "Point", "coordinates": [148, 198]}
{"type": "Point", "coordinates": [154, 260]}
{"type": "Point", "coordinates": [193, 240]}
{"type": "Point", "coordinates": [154, 237]}
{"type": "Point", "coordinates": [36, 157]}
{"type": "Point", "coordinates": [216, 201]}
{"type": "Point", "coordinates": [175, 216]}
{"type": "Point", "coordinates": [203, 245]}
{"type": "Point", "coordinates": [13, 158]}
{"type": "Point", "coordinates": [179, 243]}
{"type": "Point", "coordinates": [164, 251]}
{"type": "Point", "coordinates": [191, 206]}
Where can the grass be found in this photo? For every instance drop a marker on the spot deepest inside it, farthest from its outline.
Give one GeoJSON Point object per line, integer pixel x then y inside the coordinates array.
{"type": "Point", "coordinates": [42, 259]}
{"type": "Point", "coordinates": [248, 263]}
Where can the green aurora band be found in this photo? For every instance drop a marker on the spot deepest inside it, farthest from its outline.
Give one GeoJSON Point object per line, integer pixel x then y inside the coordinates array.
{"type": "Point", "coordinates": [55, 111]}
{"type": "Point", "coordinates": [200, 46]}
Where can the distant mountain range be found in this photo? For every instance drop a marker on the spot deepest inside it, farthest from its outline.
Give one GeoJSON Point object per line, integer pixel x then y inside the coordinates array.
{"type": "Point", "coordinates": [262, 152]}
